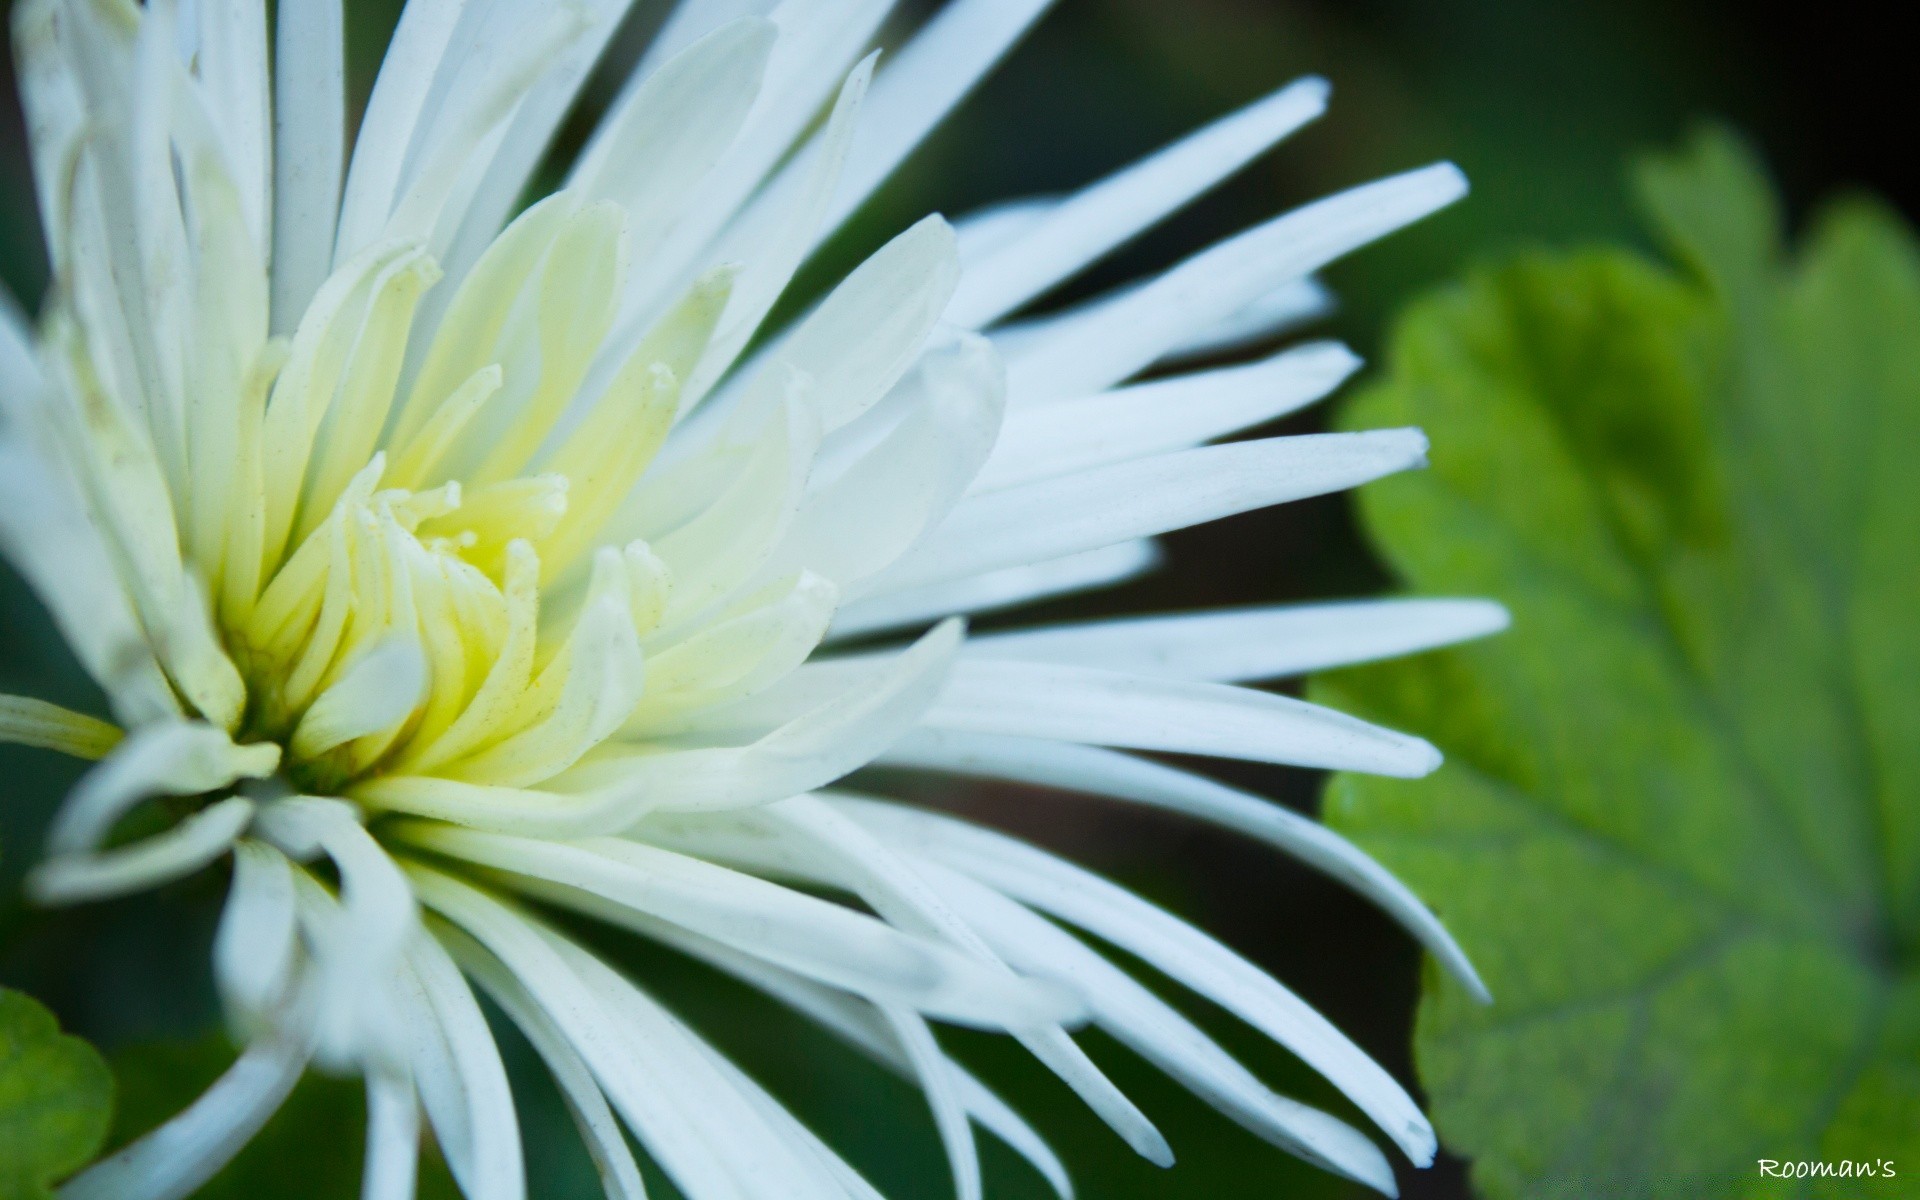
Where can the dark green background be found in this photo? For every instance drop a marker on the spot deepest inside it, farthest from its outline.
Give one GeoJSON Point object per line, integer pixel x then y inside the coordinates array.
{"type": "Point", "coordinates": [1541, 103]}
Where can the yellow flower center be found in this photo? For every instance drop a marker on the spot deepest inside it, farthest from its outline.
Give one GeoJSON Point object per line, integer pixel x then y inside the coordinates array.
{"type": "Point", "coordinates": [415, 589]}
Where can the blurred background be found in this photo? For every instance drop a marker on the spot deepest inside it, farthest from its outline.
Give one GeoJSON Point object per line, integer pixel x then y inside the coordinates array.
{"type": "Point", "coordinates": [1540, 103]}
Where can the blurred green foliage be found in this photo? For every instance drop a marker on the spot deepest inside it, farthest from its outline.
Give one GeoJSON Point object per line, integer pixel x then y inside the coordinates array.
{"type": "Point", "coordinates": [1679, 828]}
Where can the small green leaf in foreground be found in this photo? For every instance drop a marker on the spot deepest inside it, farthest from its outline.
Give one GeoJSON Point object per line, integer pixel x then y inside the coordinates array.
{"type": "Point", "coordinates": [56, 1096]}
{"type": "Point", "coordinates": [1679, 828]}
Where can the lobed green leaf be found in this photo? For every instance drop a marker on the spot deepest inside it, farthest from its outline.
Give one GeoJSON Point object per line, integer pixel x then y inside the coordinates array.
{"type": "Point", "coordinates": [1679, 827]}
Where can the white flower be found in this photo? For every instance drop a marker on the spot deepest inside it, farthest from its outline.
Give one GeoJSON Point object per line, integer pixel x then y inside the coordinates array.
{"type": "Point", "coordinates": [463, 567]}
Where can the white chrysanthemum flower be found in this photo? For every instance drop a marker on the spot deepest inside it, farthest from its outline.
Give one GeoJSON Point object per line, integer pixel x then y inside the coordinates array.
{"type": "Point", "coordinates": [460, 567]}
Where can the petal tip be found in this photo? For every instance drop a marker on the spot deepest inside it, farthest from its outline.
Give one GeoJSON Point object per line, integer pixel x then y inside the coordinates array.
{"type": "Point", "coordinates": [1423, 758]}
{"type": "Point", "coordinates": [1449, 182]}
{"type": "Point", "coordinates": [1316, 88]}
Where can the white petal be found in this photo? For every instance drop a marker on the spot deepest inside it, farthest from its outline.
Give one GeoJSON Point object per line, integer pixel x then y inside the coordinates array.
{"type": "Point", "coordinates": [690, 21]}
{"type": "Point", "coordinates": [1156, 1031]}
{"type": "Point", "coordinates": [723, 544]}
{"type": "Point", "coordinates": [529, 133]}
{"type": "Point", "coordinates": [225, 373]}
{"type": "Point", "coordinates": [180, 851]}
{"type": "Point", "coordinates": [48, 538]}
{"type": "Point", "coordinates": [1292, 304]}
{"type": "Point", "coordinates": [656, 1103]}
{"type": "Point", "coordinates": [659, 141]}
{"type": "Point", "coordinates": [791, 929]}
{"type": "Point", "coordinates": [1169, 944]}
{"type": "Point", "coordinates": [858, 1023]}
{"type": "Point", "coordinates": [174, 1160]}
{"type": "Point", "coordinates": [845, 355]}
{"type": "Point", "coordinates": [757, 644]}
{"type": "Point", "coordinates": [984, 231]}
{"type": "Point", "coordinates": [819, 42]}
{"type": "Point", "coordinates": [1243, 644]}
{"type": "Point", "coordinates": [604, 677]}
{"type": "Point", "coordinates": [310, 129]}
{"type": "Point", "coordinates": [599, 1128]}
{"type": "Point", "coordinates": [1107, 708]}
{"type": "Point", "coordinates": [850, 1183]}
{"type": "Point", "coordinates": [230, 58]}
{"type": "Point", "coordinates": [123, 486]}
{"type": "Point", "coordinates": [506, 60]}
{"type": "Point", "coordinates": [1070, 1064]}
{"type": "Point", "coordinates": [254, 948]}
{"type": "Point", "coordinates": [870, 329]}
{"type": "Point", "coordinates": [1053, 518]}
{"type": "Point", "coordinates": [814, 748]}
{"type": "Point", "coordinates": [1217, 283]}
{"type": "Point", "coordinates": [922, 82]}
{"type": "Point", "coordinates": [797, 1136]}
{"type": "Point", "coordinates": [768, 1162]}
{"type": "Point", "coordinates": [992, 590]}
{"type": "Point", "coordinates": [169, 149]}
{"type": "Point", "coordinates": [886, 500]}
{"type": "Point", "coordinates": [760, 1150]}
{"type": "Point", "coordinates": [817, 683]}
{"type": "Point", "coordinates": [893, 885]}
{"type": "Point", "coordinates": [1108, 773]}
{"type": "Point", "coordinates": [490, 1168]}
{"type": "Point", "coordinates": [436, 1080]}
{"type": "Point", "coordinates": [1091, 224]}
{"type": "Point", "coordinates": [56, 120]}
{"type": "Point", "coordinates": [771, 239]}
{"type": "Point", "coordinates": [303, 394]}
{"type": "Point", "coordinates": [125, 265]}
{"type": "Point", "coordinates": [359, 948]}
{"type": "Point", "coordinates": [393, 1138]}
{"type": "Point", "coordinates": [375, 694]}
{"type": "Point", "coordinates": [178, 758]}
{"type": "Point", "coordinates": [831, 851]}
{"type": "Point", "coordinates": [1049, 440]}
{"type": "Point", "coordinates": [407, 72]}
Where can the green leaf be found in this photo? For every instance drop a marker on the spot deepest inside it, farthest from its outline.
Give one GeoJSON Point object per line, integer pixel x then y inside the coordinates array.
{"type": "Point", "coordinates": [1679, 828]}
{"type": "Point", "coordinates": [56, 1097]}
